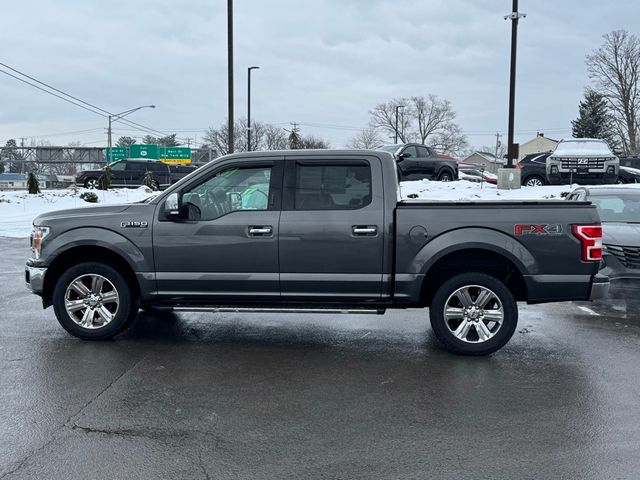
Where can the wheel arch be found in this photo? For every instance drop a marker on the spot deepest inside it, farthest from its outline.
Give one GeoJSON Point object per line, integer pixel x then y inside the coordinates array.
{"type": "Point", "coordinates": [476, 259]}
{"type": "Point", "coordinates": [86, 253]}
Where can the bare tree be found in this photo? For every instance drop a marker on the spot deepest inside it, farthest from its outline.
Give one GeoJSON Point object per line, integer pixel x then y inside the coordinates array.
{"type": "Point", "coordinates": [615, 70]}
{"type": "Point", "coordinates": [366, 139]}
{"type": "Point", "coordinates": [275, 138]}
{"type": "Point", "coordinates": [264, 136]}
{"type": "Point", "coordinates": [429, 120]}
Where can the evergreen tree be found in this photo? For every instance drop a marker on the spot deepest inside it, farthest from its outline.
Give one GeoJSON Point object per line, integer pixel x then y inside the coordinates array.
{"type": "Point", "coordinates": [125, 141]}
{"type": "Point", "coordinates": [149, 181]}
{"type": "Point", "coordinates": [594, 119]}
{"type": "Point", "coordinates": [104, 181]}
{"type": "Point", "coordinates": [168, 141]}
{"type": "Point", "coordinates": [295, 142]}
{"type": "Point", "coordinates": [33, 186]}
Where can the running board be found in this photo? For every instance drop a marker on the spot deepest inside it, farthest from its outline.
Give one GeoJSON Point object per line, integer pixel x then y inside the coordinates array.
{"type": "Point", "coordinates": [334, 311]}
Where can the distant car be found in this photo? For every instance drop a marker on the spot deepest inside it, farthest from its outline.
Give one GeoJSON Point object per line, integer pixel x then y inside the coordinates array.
{"type": "Point", "coordinates": [476, 173]}
{"type": "Point", "coordinates": [533, 169]}
{"type": "Point", "coordinates": [628, 175]}
{"type": "Point", "coordinates": [585, 161]}
{"type": "Point", "coordinates": [630, 162]}
{"type": "Point", "coordinates": [619, 209]}
{"type": "Point", "coordinates": [416, 161]}
{"type": "Point", "coordinates": [131, 173]}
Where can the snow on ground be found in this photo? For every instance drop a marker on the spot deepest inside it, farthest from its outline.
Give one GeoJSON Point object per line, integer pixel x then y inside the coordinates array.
{"type": "Point", "coordinates": [464, 190]}
{"type": "Point", "coordinates": [18, 209]}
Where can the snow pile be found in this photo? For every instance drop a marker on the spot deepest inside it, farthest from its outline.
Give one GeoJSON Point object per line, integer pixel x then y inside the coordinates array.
{"type": "Point", "coordinates": [18, 209]}
{"type": "Point", "coordinates": [466, 191]}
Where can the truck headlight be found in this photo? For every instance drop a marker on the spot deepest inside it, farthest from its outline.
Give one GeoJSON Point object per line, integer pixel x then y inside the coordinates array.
{"type": "Point", "coordinates": [611, 170]}
{"type": "Point", "coordinates": [37, 235]}
{"type": "Point", "coordinates": [554, 169]}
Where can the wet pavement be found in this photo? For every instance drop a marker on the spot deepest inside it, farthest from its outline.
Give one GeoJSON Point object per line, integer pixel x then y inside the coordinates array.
{"type": "Point", "coordinates": [257, 396]}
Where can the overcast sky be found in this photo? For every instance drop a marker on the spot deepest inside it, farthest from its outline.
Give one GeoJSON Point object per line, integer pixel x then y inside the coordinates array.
{"type": "Point", "coordinates": [324, 64]}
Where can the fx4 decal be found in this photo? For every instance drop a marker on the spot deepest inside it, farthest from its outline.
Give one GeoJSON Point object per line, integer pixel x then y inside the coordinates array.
{"type": "Point", "coordinates": [525, 229]}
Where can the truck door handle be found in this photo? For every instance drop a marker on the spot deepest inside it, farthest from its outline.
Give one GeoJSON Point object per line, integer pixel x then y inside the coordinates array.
{"type": "Point", "coordinates": [261, 231]}
{"type": "Point", "coordinates": [364, 230]}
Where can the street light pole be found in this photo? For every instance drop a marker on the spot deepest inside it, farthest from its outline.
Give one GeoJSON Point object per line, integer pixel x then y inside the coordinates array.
{"type": "Point", "coordinates": [115, 118]}
{"type": "Point", "coordinates": [512, 154]}
{"type": "Point", "coordinates": [397, 107]}
{"type": "Point", "coordinates": [230, 70]}
{"type": "Point", "coordinates": [249, 106]}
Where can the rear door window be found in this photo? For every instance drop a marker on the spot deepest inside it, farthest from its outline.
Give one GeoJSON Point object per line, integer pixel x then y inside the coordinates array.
{"type": "Point", "coordinates": [423, 152]}
{"type": "Point", "coordinates": [332, 187]}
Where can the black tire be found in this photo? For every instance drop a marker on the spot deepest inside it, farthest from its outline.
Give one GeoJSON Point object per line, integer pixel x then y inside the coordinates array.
{"type": "Point", "coordinates": [501, 335]}
{"type": "Point", "coordinates": [534, 181]}
{"type": "Point", "coordinates": [445, 176]}
{"type": "Point", "coordinates": [123, 314]}
{"type": "Point", "coordinates": [621, 181]}
{"type": "Point", "coordinates": [91, 183]}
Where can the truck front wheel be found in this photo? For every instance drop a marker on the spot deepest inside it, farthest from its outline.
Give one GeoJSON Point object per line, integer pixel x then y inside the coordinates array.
{"type": "Point", "coordinates": [473, 314]}
{"type": "Point", "coordinates": [93, 301]}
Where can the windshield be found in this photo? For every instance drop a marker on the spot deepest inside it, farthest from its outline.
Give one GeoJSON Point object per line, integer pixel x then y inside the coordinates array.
{"type": "Point", "coordinates": [389, 148]}
{"type": "Point", "coordinates": [618, 207]}
{"type": "Point", "coordinates": [582, 147]}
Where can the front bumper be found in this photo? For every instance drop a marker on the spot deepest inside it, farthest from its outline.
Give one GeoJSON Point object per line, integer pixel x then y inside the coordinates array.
{"type": "Point", "coordinates": [34, 277]}
{"type": "Point", "coordinates": [595, 178]}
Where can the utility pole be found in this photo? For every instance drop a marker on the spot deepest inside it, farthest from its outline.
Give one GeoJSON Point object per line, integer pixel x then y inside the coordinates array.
{"type": "Point", "coordinates": [230, 70]}
{"type": "Point", "coordinates": [397, 108]}
{"type": "Point", "coordinates": [497, 144]}
{"type": "Point", "coordinates": [509, 177]}
{"type": "Point", "coordinates": [512, 148]}
{"type": "Point", "coordinates": [249, 106]}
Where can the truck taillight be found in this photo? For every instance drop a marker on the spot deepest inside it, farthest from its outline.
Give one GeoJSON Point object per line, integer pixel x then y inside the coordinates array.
{"type": "Point", "coordinates": [590, 237]}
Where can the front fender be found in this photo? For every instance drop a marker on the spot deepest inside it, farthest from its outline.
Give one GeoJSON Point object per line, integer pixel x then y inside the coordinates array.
{"type": "Point", "coordinates": [98, 237]}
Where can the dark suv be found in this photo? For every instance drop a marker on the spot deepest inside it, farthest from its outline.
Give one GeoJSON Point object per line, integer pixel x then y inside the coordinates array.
{"type": "Point", "coordinates": [534, 169]}
{"type": "Point", "coordinates": [416, 161]}
{"type": "Point", "coordinates": [128, 173]}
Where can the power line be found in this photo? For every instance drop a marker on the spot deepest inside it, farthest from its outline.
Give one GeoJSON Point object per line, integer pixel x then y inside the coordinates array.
{"type": "Point", "coordinates": [51, 93]}
{"type": "Point", "coordinates": [105, 113]}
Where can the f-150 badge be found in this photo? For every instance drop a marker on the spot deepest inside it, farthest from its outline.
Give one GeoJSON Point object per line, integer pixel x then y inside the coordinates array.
{"type": "Point", "coordinates": [134, 224]}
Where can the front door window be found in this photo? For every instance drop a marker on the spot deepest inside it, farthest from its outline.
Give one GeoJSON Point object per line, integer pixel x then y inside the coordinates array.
{"type": "Point", "coordinates": [228, 191]}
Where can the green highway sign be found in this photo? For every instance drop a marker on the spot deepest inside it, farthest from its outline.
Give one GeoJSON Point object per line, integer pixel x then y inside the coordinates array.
{"type": "Point", "coordinates": [144, 151]}
{"type": "Point", "coordinates": [116, 153]}
{"type": "Point", "coordinates": [175, 153]}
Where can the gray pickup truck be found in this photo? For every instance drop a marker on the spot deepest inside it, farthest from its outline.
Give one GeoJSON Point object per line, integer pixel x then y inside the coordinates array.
{"type": "Point", "coordinates": [306, 231]}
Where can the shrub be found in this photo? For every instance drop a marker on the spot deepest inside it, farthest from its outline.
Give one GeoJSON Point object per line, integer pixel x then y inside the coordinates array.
{"type": "Point", "coordinates": [89, 197]}
{"type": "Point", "coordinates": [104, 181]}
{"type": "Point", "coordinates": [149, 181]}
{"type": "Point", "coordinates": [32, 183]}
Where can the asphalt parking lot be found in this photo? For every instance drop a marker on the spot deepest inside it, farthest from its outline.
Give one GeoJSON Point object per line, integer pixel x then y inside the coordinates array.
{"type": "Point", "coordinates": [315, 396]}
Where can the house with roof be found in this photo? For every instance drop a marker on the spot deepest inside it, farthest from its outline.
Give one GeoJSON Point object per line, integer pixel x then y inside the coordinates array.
{"type": "Point", "coordinates": [539, 144]}
{"type": "Point", "coordinates": [18, 181]}
{"type": "Point", "coordinates": [486, 160]}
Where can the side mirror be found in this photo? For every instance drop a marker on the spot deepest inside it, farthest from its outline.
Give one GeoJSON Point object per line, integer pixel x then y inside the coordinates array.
{"type": "Point", "coordinates": [404, 155]}
{"type": "Point", "coordinates": [171, 207]}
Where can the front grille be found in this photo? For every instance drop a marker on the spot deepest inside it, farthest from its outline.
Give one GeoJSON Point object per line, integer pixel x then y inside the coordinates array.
{"type": "Point", "coordinates": [628, 256]}
{"type": "Point", "coordinates": [590, 163]}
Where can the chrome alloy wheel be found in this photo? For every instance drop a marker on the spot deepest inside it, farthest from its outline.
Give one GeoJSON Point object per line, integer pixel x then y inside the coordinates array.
{"type": "Point", "coordinates": [473, 314]}
{"type": "Point", "coordinates": [534, 182]}
{"type": "Point", "coordinates": [91, 301]}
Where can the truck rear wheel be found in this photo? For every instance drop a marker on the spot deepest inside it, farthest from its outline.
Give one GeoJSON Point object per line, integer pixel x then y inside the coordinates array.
{"type": "Point", "coordinates": [473, 314]}
{"type": "Point", "coordinates": [93, 301]}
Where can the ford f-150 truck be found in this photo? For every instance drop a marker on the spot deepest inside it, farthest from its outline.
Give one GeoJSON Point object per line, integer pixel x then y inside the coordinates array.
{"type": "Point", "coordinates": [304, 231]}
